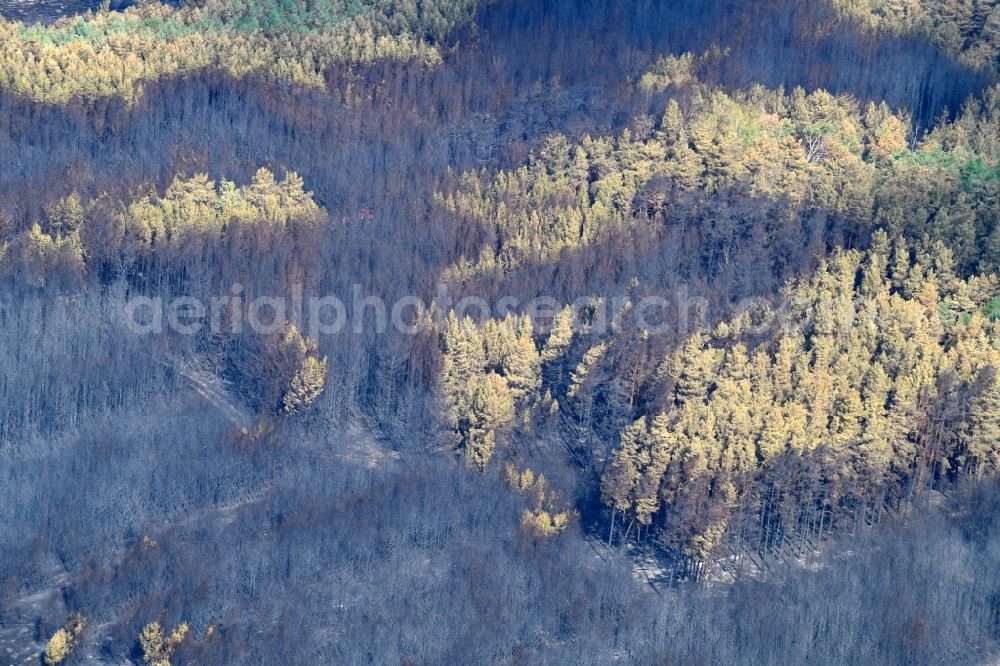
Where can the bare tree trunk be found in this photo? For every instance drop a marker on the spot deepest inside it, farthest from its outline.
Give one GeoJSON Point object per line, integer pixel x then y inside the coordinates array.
{"type": "Point", "coordinates": [627, 530]}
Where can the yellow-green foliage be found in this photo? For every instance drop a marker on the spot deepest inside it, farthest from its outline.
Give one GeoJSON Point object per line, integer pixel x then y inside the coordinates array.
{"type": "Point", "coordinates": [810, 152]}
{"type": "Point", "coordinates": [196, 208]}
{"type": "Point", "coordinates": [41, 254]}
{"type": "Point", "coordinates": [488, 375]}
{"type": "Point", "coordinates": [969, 29]}
{"type": "Point", "coordinates": [543, 523]}
{"type": "Point", "coordinates": [157, 649]}
{"type": "Point", "coordinates": [668, 71]}
{"type": "Point", "coordinates": [64, 640]}
{"type": "Point", "coordinates": [38, 253]}
{"type": "Point", "coordinates": [677, 70]}
{"type": "Point", "coordinates": [522, 482]}
{"type": "Point", "coordinates": [846, 382]}
{"type": "Point", "coordinates": [111, 53]}
{"type": "Point", "coordinates": [307, 385]}
{"type": "Point", "coordinates": [58, 647]}
{"type": "Point", "coordinates": [193, 214]}
{"type": "Point", "coordinates": [291, 376]}
{"type": "Point", "coordinates": [541, 519]}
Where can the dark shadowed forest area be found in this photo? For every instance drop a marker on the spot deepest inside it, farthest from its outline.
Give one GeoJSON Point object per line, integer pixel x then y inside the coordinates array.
{"type": "Point", "coordinates": [528, 332]}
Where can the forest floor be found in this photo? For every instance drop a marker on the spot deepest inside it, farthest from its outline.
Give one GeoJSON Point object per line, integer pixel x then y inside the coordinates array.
{"type": "Point", "coordinates": [47, 11]}
{"type": "Point", "coordinates": [351, 443]}
{"type": "Point", "coordinates": [19, 640]}
{"type": "Point", "coordinates": [652, 568]}
{"type": "Point", "coordinates": [216, 392]}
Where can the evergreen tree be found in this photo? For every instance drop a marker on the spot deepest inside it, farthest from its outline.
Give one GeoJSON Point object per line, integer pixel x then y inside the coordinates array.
{"type": "Point", "coordinates": [983, 444]}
